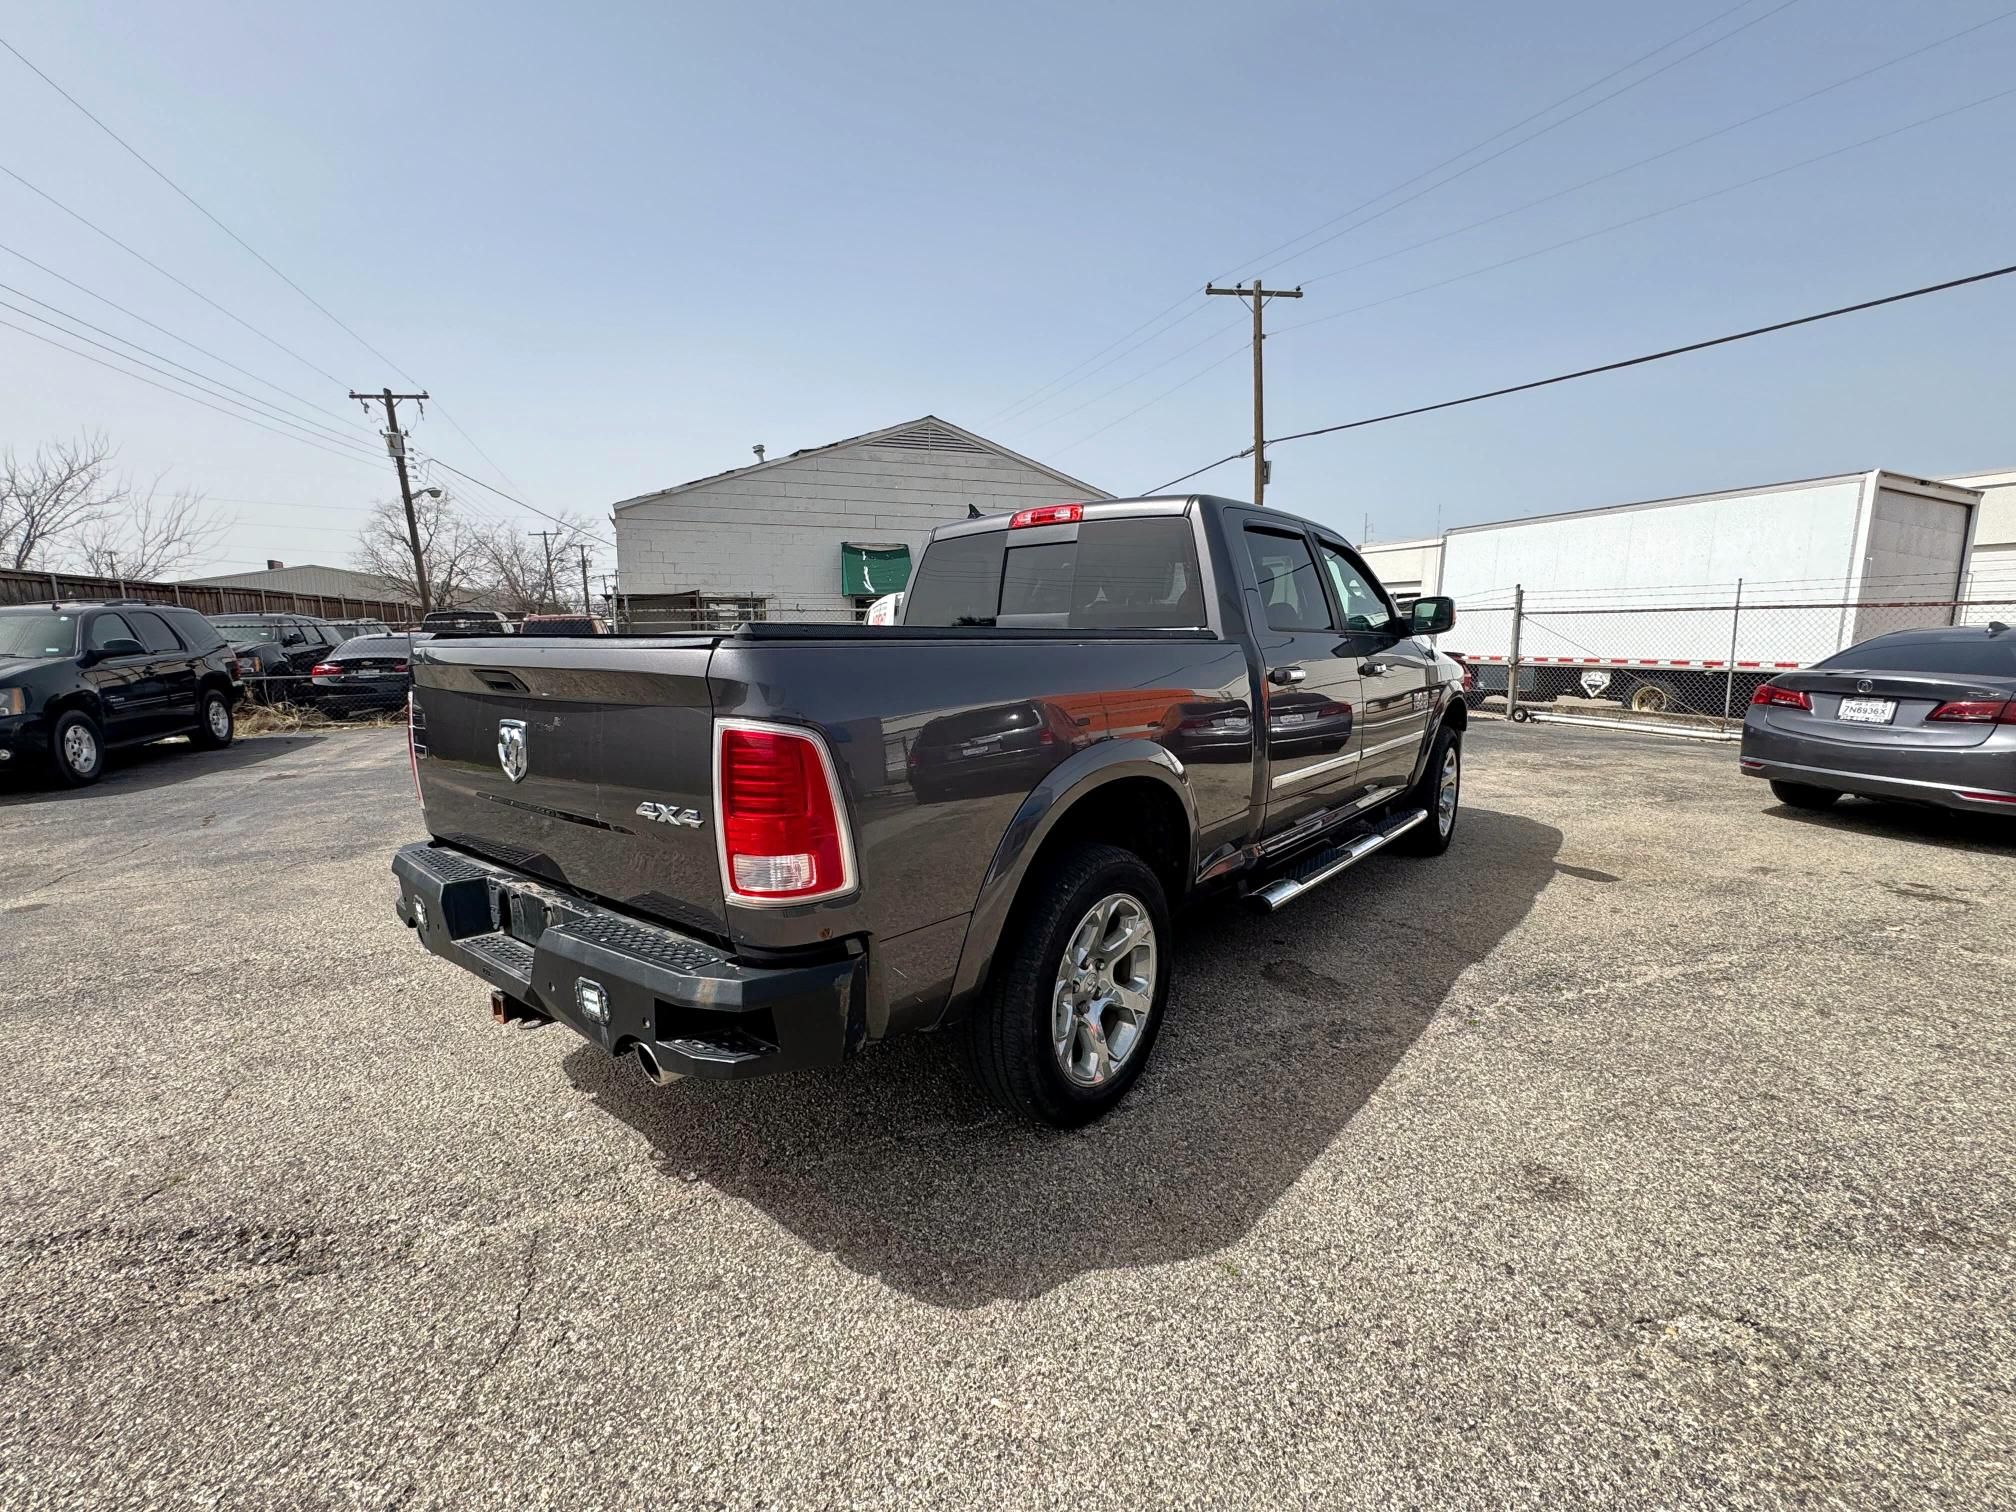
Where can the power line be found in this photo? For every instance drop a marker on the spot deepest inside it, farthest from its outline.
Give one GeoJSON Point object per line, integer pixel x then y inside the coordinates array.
{"type": "Point", "coordinates": [171, 335]}
{"type": "Point", "coordinates": [556, 519]}
{"type": "Point", "coordinates": [179, 394]}
{"type": "Point", "coordinates": [1608, 367]}
{"type": "Point", "coordinates": [179, 283]}
{"type": "Point", "coordinates": [1708, 136]}
{"type": "Point", "coordinates": [1126, 383]}
{"type": "Point", "coordinates": [1550, 126]}
{"type": "Point", "coordinates": [1051, 390]}
{"type": "Point", "coordinates": [1022, 405]}
{"type": "Point", "coordinates": [1215, 362]}
{"type": "Point", "coordinates": [264, 261]}
{"type": "Point", "coordinates": [208, 383]}
{"type": "Point", "coordinates": [1640, 219]}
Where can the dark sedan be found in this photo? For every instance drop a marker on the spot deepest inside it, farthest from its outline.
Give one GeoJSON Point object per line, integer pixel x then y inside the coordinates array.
{"type": "Point", "coordinates": [365, 675]}
{"type": "Point", "coordinates": [1919, 716]}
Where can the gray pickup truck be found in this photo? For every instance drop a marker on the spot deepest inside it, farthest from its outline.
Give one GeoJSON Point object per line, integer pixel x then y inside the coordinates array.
{"type": "Point", "coordinates": [734, 854]}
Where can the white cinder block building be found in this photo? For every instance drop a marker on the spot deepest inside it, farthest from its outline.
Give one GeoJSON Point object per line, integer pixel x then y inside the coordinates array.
{"type": "Point", "coordinates": [820, 533]}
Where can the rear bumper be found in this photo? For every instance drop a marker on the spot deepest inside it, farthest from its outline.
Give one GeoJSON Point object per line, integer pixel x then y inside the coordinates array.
{"type": "Point", "coordinates": [1944, 778]}
{"type": "Point", "coordinates": [699, 1010]}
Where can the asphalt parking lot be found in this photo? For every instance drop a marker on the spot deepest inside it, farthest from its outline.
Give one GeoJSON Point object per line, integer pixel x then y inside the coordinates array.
{"type": "Point", "coordinates": [1653, 1148]}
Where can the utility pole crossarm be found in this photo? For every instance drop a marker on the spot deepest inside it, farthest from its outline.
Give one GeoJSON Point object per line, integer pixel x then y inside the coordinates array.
{"type": "Point", "coordinates": [1258, 296]}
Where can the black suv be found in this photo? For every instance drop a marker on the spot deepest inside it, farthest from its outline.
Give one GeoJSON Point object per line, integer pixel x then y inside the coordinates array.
{"type": "Point", "coordinates": [77, 679]}
{"type": "Point", "coordinates": [276, 652]}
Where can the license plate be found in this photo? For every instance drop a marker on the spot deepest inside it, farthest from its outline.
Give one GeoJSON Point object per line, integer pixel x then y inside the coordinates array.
{"type": "Point", "coordinates": [1868, 710]}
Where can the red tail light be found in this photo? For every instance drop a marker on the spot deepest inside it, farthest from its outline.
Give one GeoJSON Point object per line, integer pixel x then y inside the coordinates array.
{"type": "Point", "coordinates": [325, 669]}
{"type": "Point", "coordinates": [1047, 514]}
{"type": "Point", "coordinates": [1975, 711]}
{"type": "Point", "coordinates": [1773, 696]}
{"type": "Point", "coordinates": [782, 836]}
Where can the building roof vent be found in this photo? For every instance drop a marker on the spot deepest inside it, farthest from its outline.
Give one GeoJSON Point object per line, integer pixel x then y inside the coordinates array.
{"type": "Point", "coordinates": [930, 436]}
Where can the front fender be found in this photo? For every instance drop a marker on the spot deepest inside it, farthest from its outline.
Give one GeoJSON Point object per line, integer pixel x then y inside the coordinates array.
{"type": "Point", "coordinates": [1056, 795]}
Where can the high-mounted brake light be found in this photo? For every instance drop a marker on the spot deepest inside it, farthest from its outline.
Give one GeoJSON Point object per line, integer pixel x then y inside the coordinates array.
{"type": "Point", "coordinates": [1776, 697]}
{"type": "Point", "coordinates": [780, 832]}
{"type": "Point", "coordinates": [1047, 514]}
{"type": "Point", "coordinates": [1975, 711]}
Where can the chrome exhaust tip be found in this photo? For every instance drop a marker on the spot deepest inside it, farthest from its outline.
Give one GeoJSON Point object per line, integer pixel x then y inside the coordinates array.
{"type": "Point", "coordinates": [654, 1073]}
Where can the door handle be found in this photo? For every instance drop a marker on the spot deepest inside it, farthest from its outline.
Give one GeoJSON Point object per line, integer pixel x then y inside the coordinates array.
{"type": "Point", "coordinates": [1286, 676]}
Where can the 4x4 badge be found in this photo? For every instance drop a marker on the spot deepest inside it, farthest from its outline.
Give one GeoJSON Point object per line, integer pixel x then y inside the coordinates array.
{"type": "Point", "coordinates": [511, 753]}
{"type": "Point", "coordinates": [664, 813]}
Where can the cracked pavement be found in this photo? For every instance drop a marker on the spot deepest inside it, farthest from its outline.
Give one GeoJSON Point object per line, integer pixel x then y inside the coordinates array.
{"type": "Point", "coordinates": [1653, 1148]}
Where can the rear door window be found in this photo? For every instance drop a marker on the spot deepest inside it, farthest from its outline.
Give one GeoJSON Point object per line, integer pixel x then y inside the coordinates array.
{"type": "Point", "coordinates": [106, 628]}
{"type": "Point", "coordinates": [1119, 574]}
{"type": "Point", "coordinates": [154, 632]}
{"type": "Point", "coordinates": [1289, 587]}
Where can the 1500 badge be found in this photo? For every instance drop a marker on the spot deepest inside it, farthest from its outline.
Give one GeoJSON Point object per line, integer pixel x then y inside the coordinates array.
{"type": "Point", "coordinates": [664, 813]}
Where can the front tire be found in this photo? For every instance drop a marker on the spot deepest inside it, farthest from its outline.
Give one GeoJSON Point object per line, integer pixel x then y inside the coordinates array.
{"type": "Point", "coordinates": [77, 746]}
{"type": "Point", "coordinates": [1798, 795]}
{"type": "Point", "coordinates": [1077, 994]}
{"type": "Point", "coordinates": [1440, 792]}
{"type": "Point", "coordinates": [214, 724]}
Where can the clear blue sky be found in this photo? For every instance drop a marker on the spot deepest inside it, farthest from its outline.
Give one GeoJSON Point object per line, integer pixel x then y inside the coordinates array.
{"type": "Point", "coordinates": [622, 243]}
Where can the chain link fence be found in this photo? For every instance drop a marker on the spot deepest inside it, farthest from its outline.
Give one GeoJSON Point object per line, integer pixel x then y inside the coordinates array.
{"type": "Point", "coordinates": [1679, 660]}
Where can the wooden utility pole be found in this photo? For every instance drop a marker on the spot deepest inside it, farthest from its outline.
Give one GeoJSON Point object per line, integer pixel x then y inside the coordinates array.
{"type": "Point", "coordinates": [1258, 298]}
{"type": "Point", "coordinates": [546, 540]}
{"type": "Point", "coordinates": [395, 444]}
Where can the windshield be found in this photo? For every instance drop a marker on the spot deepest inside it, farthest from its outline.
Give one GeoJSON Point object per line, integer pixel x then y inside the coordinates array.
{"type": "Point", "coordinates": [38, 632]}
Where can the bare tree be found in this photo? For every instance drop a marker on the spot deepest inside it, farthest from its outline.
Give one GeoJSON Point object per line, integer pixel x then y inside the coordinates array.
{"type": "Point", "coordinates": [449, 546]}
{"type": "Point", "coordinates": [49, 497]}
{"type": "Point", "coordinates": [516, 564]}
{"type": "Point", "coordinates": [150, 536]}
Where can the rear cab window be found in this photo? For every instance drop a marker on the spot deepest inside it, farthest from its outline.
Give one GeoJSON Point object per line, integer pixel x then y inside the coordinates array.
{"type": "Point", "coordinates": [1125, 573]}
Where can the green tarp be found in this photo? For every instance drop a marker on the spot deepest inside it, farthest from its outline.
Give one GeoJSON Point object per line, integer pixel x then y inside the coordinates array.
{"type": "Point", "coordinates": [873, 570]}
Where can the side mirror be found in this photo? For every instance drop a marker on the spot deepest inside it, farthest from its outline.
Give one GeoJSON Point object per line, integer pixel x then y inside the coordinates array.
{"type": "Point", "coordinates": [1431, 616]}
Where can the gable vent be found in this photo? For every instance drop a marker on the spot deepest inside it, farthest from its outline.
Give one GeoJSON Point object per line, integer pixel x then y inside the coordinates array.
{"type": "Point", "coordinates": [932, 437]}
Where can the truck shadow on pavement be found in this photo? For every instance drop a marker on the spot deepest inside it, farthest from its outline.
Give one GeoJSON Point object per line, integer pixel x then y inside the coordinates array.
{"type": "Point", "coordinates": [138, 769]}
{"type": "Point", "coordinates": [1279, 1029]}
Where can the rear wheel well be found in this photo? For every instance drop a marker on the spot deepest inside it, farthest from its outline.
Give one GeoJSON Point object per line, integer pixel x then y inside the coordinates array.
{"type": "Point", "coordinates": [1137, 814]}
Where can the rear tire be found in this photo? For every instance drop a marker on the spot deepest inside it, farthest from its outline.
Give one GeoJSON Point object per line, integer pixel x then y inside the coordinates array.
{"type": "Point", "coordinates": [1060, 1041]}
{"type": "Point", "coordinates": [1798, 795]}
{"type": "Point", "coordinates": [77, 748]}
{"type": "Point", "coordinates": [1444, 772]}
{"type": "Point", "coordinates": [214, 724]}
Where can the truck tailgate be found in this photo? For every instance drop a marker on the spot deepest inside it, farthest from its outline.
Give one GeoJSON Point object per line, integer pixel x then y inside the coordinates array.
{"type": "Point", "coordinates": [586, 764]}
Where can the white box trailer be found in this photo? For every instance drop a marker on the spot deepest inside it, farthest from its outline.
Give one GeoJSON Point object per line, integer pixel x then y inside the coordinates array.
{"type": "Point", "coordinates": [1685, 603]}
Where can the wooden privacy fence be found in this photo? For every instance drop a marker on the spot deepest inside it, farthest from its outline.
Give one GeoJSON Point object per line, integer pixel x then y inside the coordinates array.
{"type": "Point", "coordinates": [40, 587]}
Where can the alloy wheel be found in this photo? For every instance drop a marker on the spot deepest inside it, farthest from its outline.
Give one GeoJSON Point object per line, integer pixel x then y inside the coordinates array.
{"type": "Point", "coordinates": [1105, 990]}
